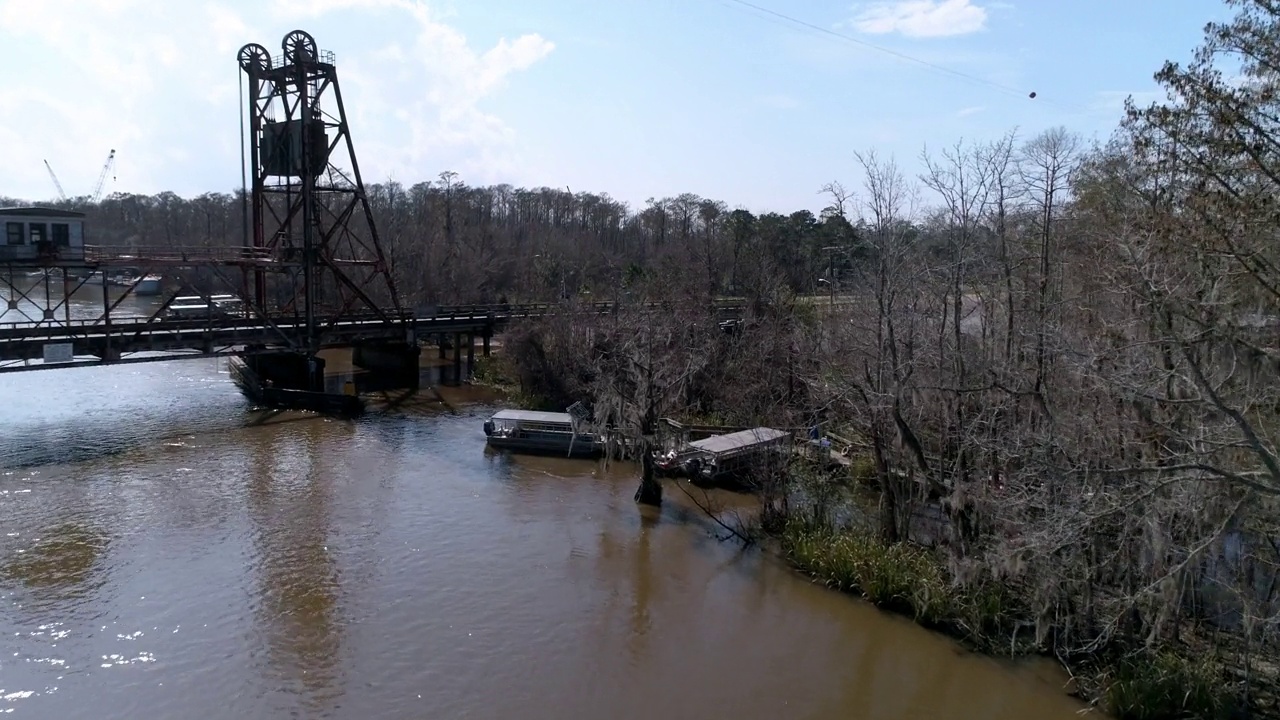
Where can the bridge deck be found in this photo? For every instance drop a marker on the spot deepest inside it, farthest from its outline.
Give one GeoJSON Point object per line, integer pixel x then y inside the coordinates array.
{"type": "Point", "coordinates": [109, 341]}
{"type": "Point", "coordinates": [131, 336]}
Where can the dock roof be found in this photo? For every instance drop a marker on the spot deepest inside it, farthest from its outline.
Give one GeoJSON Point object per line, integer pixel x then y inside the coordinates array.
{"type": "Point", "coordinates": [738, 440]}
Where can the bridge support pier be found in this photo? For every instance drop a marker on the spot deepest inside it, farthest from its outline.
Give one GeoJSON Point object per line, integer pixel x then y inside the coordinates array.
{"type": "Point", "coordinates": [486, 336]}
{"type": "Point", "coordinates": [288, 370]}
{"type": "Point", "coordinates": [288, 379]}
{"type": "Point", "coordinates": [471, 351]}
{"type": "Point", "coordinates": [395, 363]}
{"type": "Point", "coordinates": [444, 348]}
{"type": "Point", "coordinates": [457, 358]}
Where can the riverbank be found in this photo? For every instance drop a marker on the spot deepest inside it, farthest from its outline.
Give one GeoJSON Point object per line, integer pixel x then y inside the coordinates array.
{"type": "Point", "coordinates": [977, 591]}
{"type": "Point", "coordinates": [1158, 683]}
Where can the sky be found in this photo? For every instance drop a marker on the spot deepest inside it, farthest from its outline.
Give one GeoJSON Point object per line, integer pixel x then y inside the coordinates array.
{"type": "Point", "coordinates": [634, 98]}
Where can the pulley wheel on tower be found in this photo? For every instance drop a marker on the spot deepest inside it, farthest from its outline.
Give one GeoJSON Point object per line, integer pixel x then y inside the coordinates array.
{"type": "Point", "coordinates": [254, 58]}
{"type": "Point", "coordinates": [299, 46]}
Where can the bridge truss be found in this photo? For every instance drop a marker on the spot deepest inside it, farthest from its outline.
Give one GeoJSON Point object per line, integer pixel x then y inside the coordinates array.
{"type": "Point", "coordinates": [309, 272]}
{"type": "Point", "coordinates": [308, 199]}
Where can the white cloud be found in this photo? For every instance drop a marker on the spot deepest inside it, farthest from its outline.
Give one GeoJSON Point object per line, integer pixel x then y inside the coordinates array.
{"type": "Point", "coordinates": [435, 85]}
{"type": "Point", "coordinates": [921, 18]}
{"type": "Point", "coordinates": [966, 112]}
{"type": "Point", "coordinates": [158, 81]}
{"type": "Point", "coordinates": [299, 9]}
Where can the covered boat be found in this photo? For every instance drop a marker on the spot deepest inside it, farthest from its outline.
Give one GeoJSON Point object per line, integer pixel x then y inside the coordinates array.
{"type": "Point", "coordinates": [546, 433]}
{"type": "Point", "coordinates": [725, 456]}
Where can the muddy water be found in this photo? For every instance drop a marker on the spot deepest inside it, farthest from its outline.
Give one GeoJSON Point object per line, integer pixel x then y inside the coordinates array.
{"type": "Point", "coordinates": [166, 553]}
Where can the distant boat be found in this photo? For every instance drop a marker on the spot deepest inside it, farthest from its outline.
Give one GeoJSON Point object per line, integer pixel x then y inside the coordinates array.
{"type": "Point", "coordinates": [149, 285]}
{"type": "Point", "coordinates": [544, 433]}
{"type": "Point", "coordinates": [189, 307]}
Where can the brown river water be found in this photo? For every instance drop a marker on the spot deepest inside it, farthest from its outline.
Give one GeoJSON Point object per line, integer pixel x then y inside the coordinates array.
{"type": "Point", "coordinates": [167, 553]}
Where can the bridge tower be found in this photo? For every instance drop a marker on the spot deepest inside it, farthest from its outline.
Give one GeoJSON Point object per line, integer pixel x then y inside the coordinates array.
{"type": "Point", "coordinates": [309, 273]}
{"type": "Point", "coordinates": [307, 203]}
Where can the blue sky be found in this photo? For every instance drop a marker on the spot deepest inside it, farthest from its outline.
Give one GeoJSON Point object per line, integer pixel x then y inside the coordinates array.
{"type": "Point", "coordinates": [637, 99]}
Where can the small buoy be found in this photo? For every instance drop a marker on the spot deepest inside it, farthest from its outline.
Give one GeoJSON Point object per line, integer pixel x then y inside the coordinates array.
{"type": "Point", "coordinates": [1033, 95]}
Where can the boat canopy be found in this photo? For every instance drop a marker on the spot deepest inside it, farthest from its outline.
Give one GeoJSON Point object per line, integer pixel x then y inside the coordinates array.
{"type": "Point", "coordinates": [743, 439]}
{"type": "Point", "coordinates": [533, 416]}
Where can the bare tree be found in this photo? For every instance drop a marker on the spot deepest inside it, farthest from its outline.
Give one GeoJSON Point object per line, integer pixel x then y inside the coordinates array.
{"type": "Point", "coordinates": [1046, 163]}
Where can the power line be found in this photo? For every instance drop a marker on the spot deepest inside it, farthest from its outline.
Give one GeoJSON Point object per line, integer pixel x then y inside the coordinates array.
{"type": "Point", "coordinates": [873, 46]}
{"type": "Point", "coordinates": [885, 50]}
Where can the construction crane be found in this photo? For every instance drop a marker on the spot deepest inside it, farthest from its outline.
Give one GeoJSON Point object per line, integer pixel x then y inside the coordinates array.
{"type": "Point", "coordinates": [56, 184]}
{"type": "Point", "coordinates": [102, 177]}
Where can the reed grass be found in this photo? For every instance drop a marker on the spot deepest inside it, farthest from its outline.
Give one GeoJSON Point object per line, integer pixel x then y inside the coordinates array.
{"type": "Point", "coordinates": [1161, 685]}
{"type": "Point", "coordinates": [899, 577]}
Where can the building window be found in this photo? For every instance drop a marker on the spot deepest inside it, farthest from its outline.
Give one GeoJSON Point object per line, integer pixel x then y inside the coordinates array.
{"type": "Point", "coordinates": [39, 232]}
{"type": "Point", "coordinates": [14, 232]}
{"type": "Point", "coordinates": [61, 234]}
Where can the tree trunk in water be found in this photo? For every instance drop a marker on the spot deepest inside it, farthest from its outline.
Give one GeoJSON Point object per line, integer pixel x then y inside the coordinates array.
{"type": "Point", "coordinates": [650, 490]}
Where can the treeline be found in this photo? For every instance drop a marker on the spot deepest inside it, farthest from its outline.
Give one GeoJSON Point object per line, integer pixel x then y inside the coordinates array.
{"type": "Point", "coordinates": [450, 242]}
{"type": "Point", "coordinates": [1072, 355]}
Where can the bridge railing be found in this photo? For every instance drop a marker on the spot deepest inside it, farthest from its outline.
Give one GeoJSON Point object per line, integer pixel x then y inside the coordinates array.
{"type": "Point", "coordinates": [28, 329]}
{"type": "Point", "coordinates": [527, 308]}
{"type": "Point", "coordinates": [122, 325]}
{"type": "Point", "coordinates": [142, 254]}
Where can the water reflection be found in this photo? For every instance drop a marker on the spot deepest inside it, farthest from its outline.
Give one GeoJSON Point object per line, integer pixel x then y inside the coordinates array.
{"type": "Point", "coordinates": [642, 576]}
{"type": "Point", "coordinates": [60, 565]}
{"type": "Point", "coordinates": [289, 501]}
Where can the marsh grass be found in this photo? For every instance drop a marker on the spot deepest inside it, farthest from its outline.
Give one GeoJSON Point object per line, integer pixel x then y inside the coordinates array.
{"type": "Point", "coordinates": [1159, 685]}
{"type": "Point", "coordinates": [898, 577]}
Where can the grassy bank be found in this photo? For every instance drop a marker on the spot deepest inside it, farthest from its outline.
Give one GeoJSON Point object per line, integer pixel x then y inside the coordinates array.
{"type": "Point", "coordinates": [1148, 684]}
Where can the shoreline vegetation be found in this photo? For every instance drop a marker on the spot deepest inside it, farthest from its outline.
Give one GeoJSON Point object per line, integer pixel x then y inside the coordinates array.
{"type": "Point", "coordinates": [821, 523]}
{"type": "Point", "coordinates": [1170, 682]}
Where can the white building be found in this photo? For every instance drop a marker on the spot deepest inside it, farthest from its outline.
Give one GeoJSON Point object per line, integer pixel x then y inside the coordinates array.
{"type": "Point", "coordinates": [35, 233]}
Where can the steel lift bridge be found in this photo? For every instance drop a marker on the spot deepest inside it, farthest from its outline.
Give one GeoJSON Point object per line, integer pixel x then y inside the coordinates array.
{"type": "Point", "coordinates": [308, 273]}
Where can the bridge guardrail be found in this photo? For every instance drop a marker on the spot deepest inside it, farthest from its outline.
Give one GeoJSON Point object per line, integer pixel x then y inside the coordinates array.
{"type": "Point", "coordinates": [142, 254]}
{"type": "Point", "coordinates": [53, 329]}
